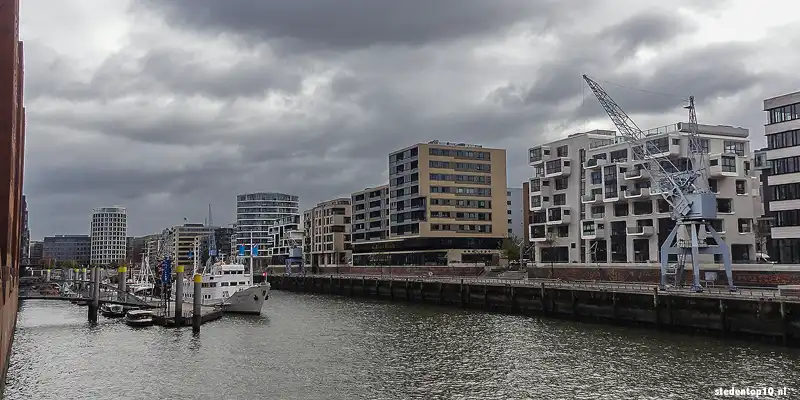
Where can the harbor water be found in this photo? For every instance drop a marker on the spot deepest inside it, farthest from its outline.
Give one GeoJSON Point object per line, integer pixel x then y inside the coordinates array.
{"type": "Point", "coordinates": [325, 347]}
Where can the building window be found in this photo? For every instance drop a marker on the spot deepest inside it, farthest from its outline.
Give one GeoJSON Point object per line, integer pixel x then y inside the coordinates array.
{"type": "Point", "coordinates": [535, 185]}
{"type": "Point", "coordinates": [596, 177]}
{"type": "Point", "coordinates": [787, 218]}
{"type": "Point", "coordinates": [535, 155]}
{"type": "Point", "coordinates": [561, 183]}
{"type": "Point", "coordinates": [619, 155]}
{"type": "Point", "coordinates": [789, 191]}
{"type": "Point", "coordinates": [741, 187]}
{"type": "Point", "coordinates": [745, 225]}
{"type": "Point", "coordinates": [783, 114]}
{"type": "Point", "coordinates": [703, 146]}
{"type": "Point", "coordinates": [786, 165]}
{"type": "Point", "coordinates": [733, 147]}
{"type": "Point", "coordinates": [728, 164]}
{"type": "Point", "coordinates": [552, 167]}
{"type": "Point", "coordinates": [559, 199]}
{"type": "Point", "coordinates": [562, 151]}
{"type": "Point", "coordinates": [783, 139]}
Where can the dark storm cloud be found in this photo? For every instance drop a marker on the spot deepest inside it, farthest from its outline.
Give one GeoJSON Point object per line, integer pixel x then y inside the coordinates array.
{"type": "Point", "coordinates": [323, 90]}
{"type": "Point", "coordinates": [344, 24]}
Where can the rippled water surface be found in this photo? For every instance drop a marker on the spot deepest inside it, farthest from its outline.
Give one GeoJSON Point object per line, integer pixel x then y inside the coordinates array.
{"type": "Point", "coordinates": [321, 347]}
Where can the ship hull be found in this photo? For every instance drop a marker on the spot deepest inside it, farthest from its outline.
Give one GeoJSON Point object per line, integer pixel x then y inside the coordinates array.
{"type": "Point", "coordinates": [248, 301]}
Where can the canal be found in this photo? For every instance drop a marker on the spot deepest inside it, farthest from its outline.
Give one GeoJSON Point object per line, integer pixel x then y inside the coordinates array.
{"type": "Point", "coordinates": [326, 347]}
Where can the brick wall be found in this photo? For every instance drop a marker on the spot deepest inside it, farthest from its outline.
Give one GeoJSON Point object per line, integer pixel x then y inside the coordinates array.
{"type": "Point", "coordinates": [12, 145]}
{"type": "Point", "coordinates": [652, 275]}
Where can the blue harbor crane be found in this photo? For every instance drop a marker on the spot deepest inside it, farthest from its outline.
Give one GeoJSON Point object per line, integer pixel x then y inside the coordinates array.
{"type": "Point", "coordinates": [692, 204]}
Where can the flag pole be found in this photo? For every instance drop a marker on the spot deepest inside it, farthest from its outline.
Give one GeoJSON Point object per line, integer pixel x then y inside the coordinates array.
{"type": "Point", "coordinates": [252, 252]}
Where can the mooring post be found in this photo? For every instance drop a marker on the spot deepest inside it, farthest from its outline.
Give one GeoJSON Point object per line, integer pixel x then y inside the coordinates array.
{"type": "Point", "coordinates": [122, 283]}
{"type": "Point", "coordinates": [47, 279]}
{"type": "Point", "coordinates": [198, 297]}
{"type": "Point", "coordinates": [179, 275]}
{"type": "Point", "coordinates": [95, 294]}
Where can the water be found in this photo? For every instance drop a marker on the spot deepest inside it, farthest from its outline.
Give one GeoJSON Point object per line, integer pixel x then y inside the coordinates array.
{"type": "Point", "coordinates": [322, 347]}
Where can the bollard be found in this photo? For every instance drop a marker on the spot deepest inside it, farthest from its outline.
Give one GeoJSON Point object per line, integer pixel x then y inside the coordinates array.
{"type": "Point", "coordinates": [122, 282]}
{"type": "Point", "coordinates": [198, 297]}
{"type": "Point", "coordinates": [48, 275]}
{"type": "Point", "coordinates": [95, 291]}
{"type": "Point", "coordinates": [179, 295]}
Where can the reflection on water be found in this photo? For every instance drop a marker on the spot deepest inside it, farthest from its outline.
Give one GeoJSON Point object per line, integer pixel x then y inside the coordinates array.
{"type": "Point", "coordinates": [321, 347]}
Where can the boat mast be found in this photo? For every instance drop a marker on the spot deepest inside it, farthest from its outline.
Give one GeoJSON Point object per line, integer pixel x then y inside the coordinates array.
{"type": "Point", "coordinates": [252, 252]}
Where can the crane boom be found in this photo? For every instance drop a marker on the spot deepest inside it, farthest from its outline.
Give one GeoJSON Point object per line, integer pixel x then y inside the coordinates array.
{"type": "Point", "coordinates": [668, 179]}
{"type": "Point", "coordinates": [697, 151]}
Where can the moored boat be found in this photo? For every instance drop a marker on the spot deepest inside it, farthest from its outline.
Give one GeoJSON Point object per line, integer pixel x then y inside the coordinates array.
{"type": "Point", "coordinates": [139, 318]}
{"type": "Point", "coordinates": [112, 310]}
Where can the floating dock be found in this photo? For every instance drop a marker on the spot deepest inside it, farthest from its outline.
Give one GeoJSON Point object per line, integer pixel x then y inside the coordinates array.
{"type": "Point", "coordinates": [166, 318]}
{"type": "Point", "coordinates": [761, 314]}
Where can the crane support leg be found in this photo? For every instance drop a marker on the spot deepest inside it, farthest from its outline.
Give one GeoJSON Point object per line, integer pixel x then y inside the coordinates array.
{"type": "Point", "coordinates": [695, 259]}
{"type": "Point", "coordinates": [665, 255]}
{"type": "Point", "coordinates": [727, 260]}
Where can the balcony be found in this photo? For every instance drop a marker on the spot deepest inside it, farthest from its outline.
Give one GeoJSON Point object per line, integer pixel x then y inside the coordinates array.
{"type": "Point", "coordinates": [595, 163]}
{"type": "Point", "coordinates": [592, 198]}
{"type": "Point", "coordinates": [637, 175]}
{"type": "Point", "coordinates": [726, 166]}
{"type": "Point", "coordinates": [559, 215]}
{"type": "Point", "coordinates": [540, 206]}
{"type": "Point", "coordinates": [538, 233]}
{"type": "Point", "coordinates": [640, 231]}
{"type": "Point", "coordinates": [637, 193]}
{"type": "Point", "coordinates": [560, 167]}
{"type": "Point", "coordinates": [536, 155]}
{"type": "Point", "coordinates": [760, 160]}
{"type": "Point", "coordinates": [592, 232]}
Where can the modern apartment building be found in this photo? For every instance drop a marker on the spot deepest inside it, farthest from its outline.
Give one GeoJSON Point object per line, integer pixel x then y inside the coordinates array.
{"type": "Point", "coordinates": [218, 244]}
{"type": "Point", "coordinates": [781, 163]}
{"type": "Point", "coordinates": [447, 205]}
{"type": "Point", "coordinates": [516, 224]}
{"type": "Point", "coordinates": [329, 231]}
{"type": "Point", "coordinates": [60, 248]}
{"type": "Point", "coordinates": [178, 242]}
{"type": "Point", "coordinates": [109, 232]}
{"type": "Point", "coordinates": [591, 201]}
{"type": "Point", "coordinates": [25, 234]}
{"type": "Point", "coordinates": [287, 238]}
{"type": "Point", "coordinates": [255, 213]}
{"type": "Point", "coordinates": [370, 214]}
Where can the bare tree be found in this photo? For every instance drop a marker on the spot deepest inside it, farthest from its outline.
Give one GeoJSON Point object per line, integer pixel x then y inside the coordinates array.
{"type": "Point", "coordinates": [550, 239]}
{"type": "Point", "coordinates": [761, 231]}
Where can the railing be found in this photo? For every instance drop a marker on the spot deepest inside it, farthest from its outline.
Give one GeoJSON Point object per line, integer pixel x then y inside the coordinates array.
{"type": "Point", "coordinates": [81, 290]}
{"type": "Point", "coordinates": [749, 293]}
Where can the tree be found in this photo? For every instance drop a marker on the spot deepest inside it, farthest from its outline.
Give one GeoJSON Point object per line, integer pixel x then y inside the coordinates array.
{"type": "Point", "coordinates": [550, 239]}
{"type": "Point", "coordinates": [761, 231]}
{"type": "Point", "coordinates": [510, 248]}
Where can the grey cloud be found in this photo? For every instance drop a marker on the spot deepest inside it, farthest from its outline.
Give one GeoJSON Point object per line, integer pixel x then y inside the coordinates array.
{"type": "Point", "coordinates": [646, 29]}
{"type": "Point", "coordinates": [354, 23]}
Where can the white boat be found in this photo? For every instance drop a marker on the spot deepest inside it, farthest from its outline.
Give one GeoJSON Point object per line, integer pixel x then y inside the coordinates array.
{"type": "Point", "coordinates": [139, 318]}
{"type": "Point", "coordinates": [228, 285]}
{"type": "Point", "coordinates": [112, 310]}
{"type": "Point", "coordinates": [142, 282]}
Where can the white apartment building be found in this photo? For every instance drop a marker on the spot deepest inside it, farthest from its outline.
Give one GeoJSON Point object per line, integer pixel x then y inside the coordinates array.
{"type": "Point", "coordinates": [255, 213]}
{"type": "Point", "coordinates": [287, 239]}
{"type": "Point", "coordinates": [329, 231]}
{"type": "Point", "coordinates": [109, 232]}
{"type": "Point", "coordinates": [178, 243]}
{"type": "Point", "coordinates": [591, 202]}
{"type": "Point", "coordinates": [516, 225]}
{"type": "Point", "coordinates": [781, 164]}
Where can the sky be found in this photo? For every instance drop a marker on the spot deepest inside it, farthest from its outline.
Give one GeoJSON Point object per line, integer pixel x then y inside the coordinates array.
{"type": "Point", "coordinates": [166, 106]}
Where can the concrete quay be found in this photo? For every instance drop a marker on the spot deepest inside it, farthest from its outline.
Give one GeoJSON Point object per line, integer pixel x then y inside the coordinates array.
{"type": "Point", "coordinates": [750, 313]}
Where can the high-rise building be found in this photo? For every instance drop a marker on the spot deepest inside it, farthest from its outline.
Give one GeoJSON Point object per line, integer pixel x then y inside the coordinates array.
{"type": "Point", "coordinates": [591, 200]}
{"type": "Point", "coordinates": [64, 248]}
{"type": "Point", "coordinates": [447, 205]}
{"type": "Point", "coordinates": [109, 232]}
{"type": "Point", "coordinates": [781, 164]}
{"type": "Point", "coordinates": [370, 214]}
{"type": "Point", "coordinates": [255, 213]}
{"type": "Point", "coordinates": [329, 231]}
{"type": "Point", "coordinates": [222, 243]}
{"type": "Point", "coordinates": [25, 234]}
{"type": "Point", "coordinates": [516, 225]}
{"type": "Point", "coordinates": [178, 243]}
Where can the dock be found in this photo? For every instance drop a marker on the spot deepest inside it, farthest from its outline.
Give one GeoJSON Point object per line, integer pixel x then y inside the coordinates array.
{"type": "Point", "coordinates": [749, 313]}
{"type": "Point", "coordinates": [166, 318]}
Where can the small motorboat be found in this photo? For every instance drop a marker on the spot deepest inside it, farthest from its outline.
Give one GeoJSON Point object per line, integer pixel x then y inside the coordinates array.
{"type": "Point", "coordinates": [112, 310]}
{"type": "Point", "coordinates": [139, 318]}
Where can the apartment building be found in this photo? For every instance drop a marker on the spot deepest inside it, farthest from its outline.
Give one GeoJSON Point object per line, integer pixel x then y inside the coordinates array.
{"type": "Point", "coordinates": [591, 201]}
{"type": "Point", "coordinates": [255, 213]}
{"type": "Point", "coordinates": [178, 242]}
{"type": "Point", "coordinates": [287, 237]}
{"type": "Point", "coordinates": [447, 203]}
{"type": "Point", "coordinates": [109, 232]}
{"type": "Point", "coordinates": [217, 244]}
{"type": "Point", "coordinates": [36, 253]}
{"type": "Point", "coordinates": [329, 233]}
{"type": "Point", "coordinates": [516, 224]}
{"type": "Point", "coordinates": [781, 173]}
{"type": "Point", "coordinates": [370, 214]}
{"type": "Point", "coordinates": [60, 248]}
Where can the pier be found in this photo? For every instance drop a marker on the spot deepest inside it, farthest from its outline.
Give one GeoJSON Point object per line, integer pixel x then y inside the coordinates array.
{"type": "Point", "coordinates": [756, 313]}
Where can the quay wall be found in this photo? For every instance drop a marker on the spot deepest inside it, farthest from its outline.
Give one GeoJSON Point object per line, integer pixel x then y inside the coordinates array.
{"type": "Point", "coordinates": [762, 275]}
{"type": "Point", "coordinates": [735, 316]}
{"type": "Point", "coordinates": [12, 148]}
